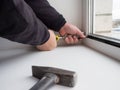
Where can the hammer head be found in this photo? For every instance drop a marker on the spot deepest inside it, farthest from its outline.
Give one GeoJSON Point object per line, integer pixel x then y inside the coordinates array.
{"type": "Point", "coordinates": [66, 78]}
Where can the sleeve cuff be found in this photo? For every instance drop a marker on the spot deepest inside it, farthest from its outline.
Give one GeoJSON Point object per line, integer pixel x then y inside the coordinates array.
{"type": "Point", "coordinates": [58, 23]}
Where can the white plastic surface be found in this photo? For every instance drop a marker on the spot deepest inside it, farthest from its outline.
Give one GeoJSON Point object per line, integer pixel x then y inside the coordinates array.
{"type": "Point", "coordinates": [94, 70]}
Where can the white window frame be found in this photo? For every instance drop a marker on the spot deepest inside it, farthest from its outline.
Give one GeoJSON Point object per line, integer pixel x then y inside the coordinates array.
{"type": "Point", "coordinates": [88, 20]}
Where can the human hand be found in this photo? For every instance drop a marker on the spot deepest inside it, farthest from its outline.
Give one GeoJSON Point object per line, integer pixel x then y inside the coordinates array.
{"type": "Point", "coordinates": [73, 32]}
{"type": "Point", "coordinates": [50, 44]}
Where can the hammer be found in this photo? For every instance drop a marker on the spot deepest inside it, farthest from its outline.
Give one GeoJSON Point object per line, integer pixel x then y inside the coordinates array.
{"type": "Point", "coordinates": [50, 76]}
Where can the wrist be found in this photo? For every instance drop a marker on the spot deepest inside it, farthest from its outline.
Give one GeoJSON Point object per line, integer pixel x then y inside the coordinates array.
{"type": "Point", "coordinates": [50, 44]}
{"type": "Point", "coordinates": [62, 31]}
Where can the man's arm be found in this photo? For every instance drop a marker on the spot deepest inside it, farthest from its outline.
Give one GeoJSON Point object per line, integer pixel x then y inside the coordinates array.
{"type": "Point", "coordinates": [19, 23]}
{"type": "Point", "coordinates": [45, 12]}
{"type": "Point", "coordinates": [50, 44]}
{"type": "Point", "coordinates": [55, 20]}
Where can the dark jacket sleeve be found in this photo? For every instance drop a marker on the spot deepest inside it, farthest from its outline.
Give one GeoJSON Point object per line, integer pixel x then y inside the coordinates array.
{"type": "Point", "coordinates": [19, 23]}
{"type": "Point", "coordinates": [45, 12]}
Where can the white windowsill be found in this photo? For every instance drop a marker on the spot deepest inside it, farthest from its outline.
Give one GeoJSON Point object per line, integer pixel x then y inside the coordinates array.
{"type": "Point", "coordinates": [95, 71]}
{"type": "Point", "coordinates": [109, 50]}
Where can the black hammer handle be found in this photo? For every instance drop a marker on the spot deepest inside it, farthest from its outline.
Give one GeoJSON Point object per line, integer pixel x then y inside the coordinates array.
{"type": "Point", "coordinates": [47, 81]}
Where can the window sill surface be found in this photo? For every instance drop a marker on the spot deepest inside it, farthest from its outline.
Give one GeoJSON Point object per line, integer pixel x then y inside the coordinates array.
{"type": "Point", "coordinates": [95, 71]}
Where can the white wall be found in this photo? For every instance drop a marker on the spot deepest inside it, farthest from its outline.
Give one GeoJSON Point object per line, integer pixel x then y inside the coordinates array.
{"type": "Point", "coordinates": [71, 10]}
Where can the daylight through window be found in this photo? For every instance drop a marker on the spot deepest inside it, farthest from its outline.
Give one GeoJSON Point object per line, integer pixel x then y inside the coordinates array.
{"type": "Point", "coordinates": [107, 18]}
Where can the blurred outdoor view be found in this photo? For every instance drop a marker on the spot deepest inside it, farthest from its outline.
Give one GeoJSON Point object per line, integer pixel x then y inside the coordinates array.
{"type": "Point", "coordinates": [107, 18]}
{"type": "Point", "coordinates": [116, 14]}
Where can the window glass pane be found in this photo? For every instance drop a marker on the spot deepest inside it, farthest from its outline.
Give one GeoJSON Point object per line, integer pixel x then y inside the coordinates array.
{"type": "Point", "coordinates": [107, 18]}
